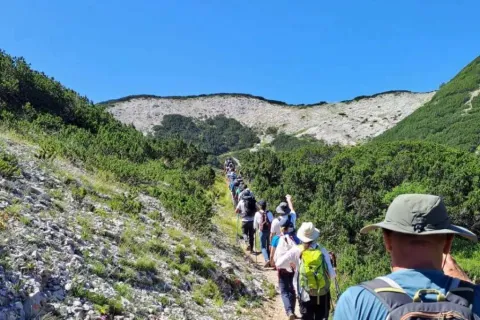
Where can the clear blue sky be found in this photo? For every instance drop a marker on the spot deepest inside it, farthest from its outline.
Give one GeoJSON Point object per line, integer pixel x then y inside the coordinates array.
{"type": "Point", "coordinates": [295, 51]}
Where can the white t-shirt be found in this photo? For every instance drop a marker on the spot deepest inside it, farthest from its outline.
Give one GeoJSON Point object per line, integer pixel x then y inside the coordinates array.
{"type": "Point", "coordinates": [241, 208]}
{"type": "Point", "coordinates": [275, 229]}
{"type": "Point", "coordinates": [258, 219]}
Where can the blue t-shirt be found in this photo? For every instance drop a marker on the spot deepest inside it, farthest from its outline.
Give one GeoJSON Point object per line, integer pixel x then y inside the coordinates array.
{"type": "Point", "coordinates": [357, 303]}
{"type": "Point", "coordinates": [275, 240]}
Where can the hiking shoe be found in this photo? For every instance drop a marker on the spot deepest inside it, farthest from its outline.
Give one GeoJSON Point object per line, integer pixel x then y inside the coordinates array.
{"type": "Point", "coordinates": [267, 264]}
{"type": "Point", "coordinates": [291, 316]}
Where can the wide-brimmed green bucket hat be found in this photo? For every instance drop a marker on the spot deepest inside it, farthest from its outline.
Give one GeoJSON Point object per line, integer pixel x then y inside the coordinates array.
{"type": "Point", "coordinates": [419, 214]}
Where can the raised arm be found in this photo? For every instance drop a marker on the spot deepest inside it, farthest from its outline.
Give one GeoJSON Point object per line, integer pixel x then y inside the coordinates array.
{"type": "Point", "coordinates": [290, 203]}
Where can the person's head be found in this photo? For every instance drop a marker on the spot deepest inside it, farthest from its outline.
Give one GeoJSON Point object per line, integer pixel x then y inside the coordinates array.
{"type": "Point", "coordinates": [417, 231]}
{"type": "Point", "coordinates": [282, 209]}
{"type": "Point", "coordinates": [262, 205]}
{"type": "Point", "coordinates": [308, 234]}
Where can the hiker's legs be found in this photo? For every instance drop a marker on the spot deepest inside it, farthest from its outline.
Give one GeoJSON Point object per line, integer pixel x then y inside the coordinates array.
{"type": "Point", "coordinates": [251, 235]}
{"type": "Point", "coordinates": [245, 231]}
{"type": "Point", "coordinates": [307, 309]}
{"type": "Point", "coordinates": [264, 241]}
{"type": "Point", "coordinates": [248, 232]}
{"type": "Point", "coordinates": [323, 308]}
{"type": "Point", "coordinates": [285, 281]}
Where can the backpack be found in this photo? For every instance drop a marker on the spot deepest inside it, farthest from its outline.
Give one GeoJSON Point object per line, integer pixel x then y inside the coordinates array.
{"type": "Point", "coordinates": [250, 204]}
{"type": "Point", "coordinates": [313, 272]}
{"type": "Point", "coordinates": [455, 305]}
{"type": "Point", "coordinates": [288, 225]}
{"type": "Point", "coordinates": [265, 223]}
{"type": "Point", "coordinates": [285, 243]}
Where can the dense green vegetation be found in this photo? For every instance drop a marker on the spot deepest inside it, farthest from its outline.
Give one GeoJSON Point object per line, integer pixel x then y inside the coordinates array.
{"type": "Point", "coordinates": [65, 124]}
{"type": "Point", "coordinates": [215, 135]}
{"type": "Point", "coordinates": [448, 118]}
{"type": "Point", "coordinates": [286, 142]}
{"type": "Point", "coordinates": [342, 189]}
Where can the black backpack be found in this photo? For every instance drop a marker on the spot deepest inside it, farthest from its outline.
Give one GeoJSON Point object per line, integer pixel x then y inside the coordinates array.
{"type": "Point", "coordinates": [250, 204]}
{"type": "Point", "coordinates": [455, 305]}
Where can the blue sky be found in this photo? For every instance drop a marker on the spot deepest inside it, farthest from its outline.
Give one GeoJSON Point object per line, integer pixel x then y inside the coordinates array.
{"type": "Point", "coordinates": [295, 51]}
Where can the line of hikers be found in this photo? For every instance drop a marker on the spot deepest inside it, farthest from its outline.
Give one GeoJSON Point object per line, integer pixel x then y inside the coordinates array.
{"type": "Point", "coordinates": [425, 282]}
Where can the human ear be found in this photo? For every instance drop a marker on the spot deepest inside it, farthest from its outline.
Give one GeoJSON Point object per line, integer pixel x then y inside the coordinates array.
{"type": "Point", "coordinates": [387, 241]}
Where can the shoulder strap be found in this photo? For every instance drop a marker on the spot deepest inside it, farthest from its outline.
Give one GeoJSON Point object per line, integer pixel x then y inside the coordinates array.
{"type": "Point", "coordinates": [388, 292]}
{"type": "Point", "coordinates": [461, 292]}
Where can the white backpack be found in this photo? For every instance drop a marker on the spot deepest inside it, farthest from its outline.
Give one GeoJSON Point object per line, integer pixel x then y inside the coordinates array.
{"type": "Point", "coordinates": [284, 244]}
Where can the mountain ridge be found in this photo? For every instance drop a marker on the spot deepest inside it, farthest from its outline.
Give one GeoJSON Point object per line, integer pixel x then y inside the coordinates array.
{"type": "Point", "coordinates": [347, 123]}
{"type": "Point", "coordinates": [252, 96]}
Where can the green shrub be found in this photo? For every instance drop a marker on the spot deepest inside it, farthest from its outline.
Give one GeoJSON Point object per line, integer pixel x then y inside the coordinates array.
{"type": "Point", "coordinates": [79, 193]}
{"type": "Point", "coordinates": [215, 135]}
{"type": "Point", "coordinates": [106, 305]}
{"type": "Point", "coordinates": [208, 290]}
{"type": "Point", "coordinates": [146, 263]}
{"type": "Point", "coordinates": [123, 289]}
{"type": "Point", "coordinates": [8, 165]}
{"type": "Point", "coordinates": [271, 130]}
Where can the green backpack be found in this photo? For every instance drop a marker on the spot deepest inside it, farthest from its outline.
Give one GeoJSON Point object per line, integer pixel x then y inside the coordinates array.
{"type": "Point", "coordinates": [313, 272]}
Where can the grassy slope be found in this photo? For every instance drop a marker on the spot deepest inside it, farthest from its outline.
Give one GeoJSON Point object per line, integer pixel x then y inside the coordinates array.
{"type": "Point", "coordinates": [444, 119]}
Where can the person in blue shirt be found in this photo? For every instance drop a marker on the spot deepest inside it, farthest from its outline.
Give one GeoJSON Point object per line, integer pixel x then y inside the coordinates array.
{"type": "Point", "coordinates": [418, 236]}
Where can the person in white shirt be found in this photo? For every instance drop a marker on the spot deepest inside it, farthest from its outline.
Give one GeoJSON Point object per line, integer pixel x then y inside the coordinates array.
{"type": "Point", "coordinates": [262, 223]}
{"type": "Point", "coordinates": [284, 212]}
{"type": "Point", "coordinates": [314, 299]}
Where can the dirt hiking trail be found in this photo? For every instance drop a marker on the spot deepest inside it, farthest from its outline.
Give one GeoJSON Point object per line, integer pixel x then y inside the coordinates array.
{"type": "Point", "coordinates": [272, 309]}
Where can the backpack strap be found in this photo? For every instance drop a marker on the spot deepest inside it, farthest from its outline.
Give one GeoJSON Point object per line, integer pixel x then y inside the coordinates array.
{"type": "Point", "coordinates": [461, 292]}
{"type": "Point", "coordinates": [388, 292]}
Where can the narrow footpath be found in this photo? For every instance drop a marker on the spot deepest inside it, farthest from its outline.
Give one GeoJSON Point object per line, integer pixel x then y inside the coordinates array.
{"type": "Point", "coordinates": [273, 308]}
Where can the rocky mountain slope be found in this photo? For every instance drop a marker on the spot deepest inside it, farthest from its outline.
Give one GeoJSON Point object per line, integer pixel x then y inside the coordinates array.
{"type": "Point", "coordinates": [76, 246]}
{"type": "Point", "coordinates": [345, 122]}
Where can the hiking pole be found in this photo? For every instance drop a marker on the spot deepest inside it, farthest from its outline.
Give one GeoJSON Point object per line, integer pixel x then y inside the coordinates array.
{"type": "Point", "coordinates": [255, 245]}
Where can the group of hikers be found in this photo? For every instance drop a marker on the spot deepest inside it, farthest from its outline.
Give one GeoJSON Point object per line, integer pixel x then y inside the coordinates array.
{"type": "Point", "coordinates": [425, 281]}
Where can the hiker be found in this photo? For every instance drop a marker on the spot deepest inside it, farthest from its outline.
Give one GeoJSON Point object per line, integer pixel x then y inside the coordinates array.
{"type": "Point", "coordinates": [280, 245]}
{"type": "Point", "coordinates": [262, 223]}
{"type": "Point", "coordinates": [313, 273]}
{"type": "Point", "coordinates": [231, 175]}
{"type": "Point", "coordinates": [243, 188]}
{"type": "Point", "coordinates": [247, 208]}
{"type": "Point", "coordinates": [425, 282]}
{"type": "Point", "coordinates": [285, 211]}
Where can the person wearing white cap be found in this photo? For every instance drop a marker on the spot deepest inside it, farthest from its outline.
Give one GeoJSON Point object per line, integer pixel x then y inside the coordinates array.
{"type": "Point", "coordinates": [314, 271]}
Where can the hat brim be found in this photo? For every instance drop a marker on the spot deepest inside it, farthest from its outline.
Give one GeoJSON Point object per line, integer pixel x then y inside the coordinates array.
{"type": "Point", "coordinates": [454, 229]}
{"type": "Point", "coordinates": [282, 212]}
{"type": "Point", "coordinates": [314, 236]}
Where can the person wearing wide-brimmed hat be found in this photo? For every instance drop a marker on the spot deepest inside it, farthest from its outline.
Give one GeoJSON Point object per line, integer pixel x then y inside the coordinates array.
{"type": "Point", "coordinates": [312, 285]}
{"type": "Point", "coordinates": [418, 235]}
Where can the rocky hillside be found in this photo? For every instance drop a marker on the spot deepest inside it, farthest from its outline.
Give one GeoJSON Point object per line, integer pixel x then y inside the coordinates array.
{"type": "Point", "coordinates": [345, 122]}
{"type": "Point", "coordinates": [76, 246]}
